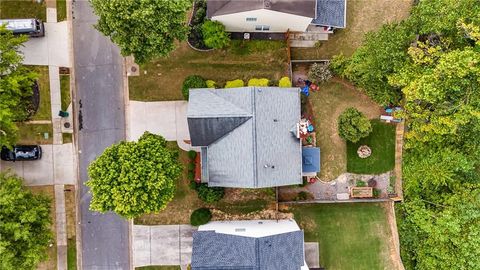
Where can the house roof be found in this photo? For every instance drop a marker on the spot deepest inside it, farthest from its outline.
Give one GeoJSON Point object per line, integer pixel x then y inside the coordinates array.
{"type": "Point", "coordinates": [304, 8]}
{"type": "Point", "coordinates": [310, 159]}
{"type": "Point", "coordinates": [212, 251]}
{"type": "Point", "coordinates": [245, 135]}
{"type": "Point", "coordinates": [331, 13]}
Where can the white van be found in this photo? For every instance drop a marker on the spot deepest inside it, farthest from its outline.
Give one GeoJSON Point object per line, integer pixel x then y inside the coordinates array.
{"type": "Point", "coordinates": [31, 27]}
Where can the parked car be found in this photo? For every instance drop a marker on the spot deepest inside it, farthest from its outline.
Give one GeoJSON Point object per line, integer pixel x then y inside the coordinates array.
{"type": "Point", "coordinates": [31, 27]}
{"type": "Point", "coordinates": [21, 153]}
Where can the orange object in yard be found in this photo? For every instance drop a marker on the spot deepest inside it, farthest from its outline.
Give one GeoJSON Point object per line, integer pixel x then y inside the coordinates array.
{"type": "Point", "coordinates": [314, 87]}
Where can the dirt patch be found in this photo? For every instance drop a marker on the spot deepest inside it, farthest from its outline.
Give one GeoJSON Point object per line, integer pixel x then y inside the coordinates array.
{"type": "Point", "coordinates": [394, 242]}
{"type": "Point", "coordinates": [218, 215]}
{"type": "Point", "coordinates": [70, 210]}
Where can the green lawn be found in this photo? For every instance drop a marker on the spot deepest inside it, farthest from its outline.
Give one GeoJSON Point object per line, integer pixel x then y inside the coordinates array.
{"type": "Point", "coordinates": [65, 91]}
{"type": "Point", "coordinates": [362, 16]}
{"type": "Point", "coordinates": [327, 104]}
{"type": "Point", "coordinates": [162, 78]}
{"type": "Point", "coordinates": [34, 134]}
{"type": "Point", "coordinates": [351, 236]}
{"type": "Point", "coordinates": [44, 111]}
{"type": "Point", "coordinates": [382, 143]}
{"type": "Point", "coordinates": [71, 255]}
{"type": "Point", "coordinates": [158, 267]}
{"type": "Point", "coordinates": [61, 10]}
{"type": "Point", "coordinates": [22, 9]}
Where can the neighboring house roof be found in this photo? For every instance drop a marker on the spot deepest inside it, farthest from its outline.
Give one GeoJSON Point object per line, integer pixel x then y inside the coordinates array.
{"type": "Point", "coordinates": [310, 159]}
{"type": "Point", "coordinates": [331, 13]}
{"type": "Point", "coordinates": [244, 135]}
{"type": "Point", "coordinates": [212, 251]}
{"type": "Point", "coordinates": [304, 8]}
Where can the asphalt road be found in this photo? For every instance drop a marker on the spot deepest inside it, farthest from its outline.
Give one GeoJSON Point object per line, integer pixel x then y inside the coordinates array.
{"type": "Point", "coordinates": [101, 122]}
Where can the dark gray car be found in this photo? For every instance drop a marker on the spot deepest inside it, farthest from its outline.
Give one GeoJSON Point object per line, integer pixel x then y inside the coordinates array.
{"type": "Point", "coordinates": [21, 153]}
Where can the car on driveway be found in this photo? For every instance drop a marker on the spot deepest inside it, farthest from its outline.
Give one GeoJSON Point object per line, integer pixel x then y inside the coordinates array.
{"type": "Point", "coordinates": [21, 153]}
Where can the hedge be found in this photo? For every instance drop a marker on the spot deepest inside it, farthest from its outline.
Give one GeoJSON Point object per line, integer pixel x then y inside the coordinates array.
{"type": "Point", "coordinates": [285, 82]}
{"type": "Point", "coordinates": [200, 216]}
{"type": "Point", "coordinates": [192, 81]}
{"type": "Point", "coordinates": [234, 83]}
{"type": "Point", "coordinates": [258, 82]}
{"type": "Point", "coordinates": [211, 84]}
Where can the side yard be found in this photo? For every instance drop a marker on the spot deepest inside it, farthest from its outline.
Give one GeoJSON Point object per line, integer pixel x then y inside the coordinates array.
{"type": "Point", "coordinates": [362, 16]}
{"type": "Point", "coordinates": [350, 236]}
{"type": "Point", "coordinates": [161, 79]}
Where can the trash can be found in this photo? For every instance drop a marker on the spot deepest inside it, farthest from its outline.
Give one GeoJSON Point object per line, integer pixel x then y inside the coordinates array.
{"type": "Point", "coordinates": [63, 114]}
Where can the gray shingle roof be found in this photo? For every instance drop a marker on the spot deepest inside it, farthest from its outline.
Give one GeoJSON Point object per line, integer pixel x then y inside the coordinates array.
{"type": "Point", "coordinates": [216, 251]}
{"type": "Point", "coordinates": [304, 8]}
{"type": "Point", "coordinates": [331, 13]}
{"type": "Point", "coordinates": [249, 143]}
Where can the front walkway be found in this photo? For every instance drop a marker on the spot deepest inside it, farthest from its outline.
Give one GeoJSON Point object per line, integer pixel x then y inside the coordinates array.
{"type": "Point", "coordinates": [166, 118]}
{"type": "Point", "coordinates": [162, 245]}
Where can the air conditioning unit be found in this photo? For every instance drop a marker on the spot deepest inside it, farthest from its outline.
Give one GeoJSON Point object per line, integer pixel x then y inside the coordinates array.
{"type": "Point", "coordinates": [246, 35]}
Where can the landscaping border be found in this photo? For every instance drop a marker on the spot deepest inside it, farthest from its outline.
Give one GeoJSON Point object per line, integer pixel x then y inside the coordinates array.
{"type": "Point", "coordinates": [189, 25]}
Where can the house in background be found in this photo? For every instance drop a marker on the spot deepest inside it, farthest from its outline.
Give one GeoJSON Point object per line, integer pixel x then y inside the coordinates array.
{"type": "Point", "coordinates": [253, 244]}
{"type": "Point", "coordinates": [305, 20]}
{"type": "Point", "coordinates": [248, 137]}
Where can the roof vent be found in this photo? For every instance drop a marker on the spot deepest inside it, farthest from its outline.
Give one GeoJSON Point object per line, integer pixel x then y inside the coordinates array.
{"type": "Point", "coordinates": [267, 3]}
{"type": "Point", "coordinates": [240, 229]}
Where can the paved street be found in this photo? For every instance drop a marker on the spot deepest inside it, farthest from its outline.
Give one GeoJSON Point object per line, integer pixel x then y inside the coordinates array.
{"type": "Point", "coordinates": [99, 109]}
{"type": "Point", "coordinates": [162, 245]}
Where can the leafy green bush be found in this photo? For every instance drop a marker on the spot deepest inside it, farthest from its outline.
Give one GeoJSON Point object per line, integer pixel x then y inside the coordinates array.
{"type": "Point", "coordinates": [200, 216]}
{"type": "Point", "coordinates": [376, 192]}
{"type": "Point", "coordinates": [191, 166]}
{"type": "Point", "coordinates": [285, 82]}
{"type": "Point", "coordinates": [234, 83]}
{"type": "Point", "coordinates": [192, 154]}
{"type": "Point", "coordinates": [360, 183]}
{"type": "Point", "coordinates": [191, 175]}
{"type": "Point", "coordinates": [353, 125]}
{"type": "Point", "coordinates": [211, 84]}
{"type": "Point", "coordinates": [192, 81]}
{"type": "Point", "coordinates": [214, 35]}
{"type": "Point", "coordinates": [302, 196]}
{"type": "Point", "coordinates": [210, 194]}
{"type": "Point", "coordinates": [258, 82]}
{"type": "Point", "coordinates": [320, 72]}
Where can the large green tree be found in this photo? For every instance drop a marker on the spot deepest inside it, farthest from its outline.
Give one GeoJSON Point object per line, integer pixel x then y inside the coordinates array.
{"type": "Point", "coordinates": [143, 28]}
{"type": "Point", "coordinates": [134, 178]}
{"type": "Point", "coordinates": [16, 83]}
{"type": "Point", "coordinates": [24, 225]}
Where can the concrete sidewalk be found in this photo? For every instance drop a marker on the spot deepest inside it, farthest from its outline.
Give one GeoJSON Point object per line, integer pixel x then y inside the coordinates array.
{"type": "Point", "coordinates": [162, 245]}
{"type": "Point", "coordinates": [166, 118]}
{"type": "Point", "coordinates": [56, 167]}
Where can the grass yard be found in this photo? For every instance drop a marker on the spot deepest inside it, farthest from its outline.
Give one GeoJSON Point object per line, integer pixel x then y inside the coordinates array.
{"type": "Point", "coordinates": [34, 133]}
{"type": "Point", "coordinates": [327, 104]}
{"type": "Point", "coordinates": [362, 16]}
{"type": "Point", "coordinates": [23, 9]}
{"type": "Point", "coordinates": [71, 227]}
{"type": "Point", "coordinates": [382, 143]}
{"type": "Point", "coordinates": [164, 77]}
{"type": "Point", "coordinates": [44, 111]}
{"type": "Point", "coordinates": [350, 236]}
{"type": "Point", "coordinates": [65, 91]}
{"type": "Point", "coordinates": [61, 10]}
{"type": "Point", "coordinates": [51, 261]}
{"type": "Point", "coordinates": [185, 201]}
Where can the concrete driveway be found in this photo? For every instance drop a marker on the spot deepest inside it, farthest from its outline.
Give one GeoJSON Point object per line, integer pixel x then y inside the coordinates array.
{"type": "Point", "coordinates": [56, 167]}
{"type": "Point", "coordinates": [166, 118]}
{"type": "Point", "coordinates": [162, 245]}
{"type": "Point", "coordinates": [52, 49]}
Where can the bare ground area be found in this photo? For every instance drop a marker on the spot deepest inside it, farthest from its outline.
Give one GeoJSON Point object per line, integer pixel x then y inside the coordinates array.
{"type": "Point", "coordinates": [362, 16]}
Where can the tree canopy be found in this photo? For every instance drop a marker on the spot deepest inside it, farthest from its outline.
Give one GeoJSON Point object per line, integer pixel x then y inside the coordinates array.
{"type": "Point", "coordinates": [143, 28]}
{"type": "Point", "coordinates": [16, 83]}
{"type": "Point", "coordinates": [430, 64]}
{"type": "Point", "coordinates": [353, 125]}
{"type": "Point", "coordinates": [24, 225]}
{"type": "Point", "coordinates": [134, 178]}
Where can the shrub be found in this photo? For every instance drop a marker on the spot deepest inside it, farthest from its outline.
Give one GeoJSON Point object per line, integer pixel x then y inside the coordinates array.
{"type": "Point", "coordinates": [191, 166]}
{"type": "Point", "coordinates": [192, 81]}
{"type": "Point", "coordinates": [302, 196]}
{"type": "Point", "coordinates": [360, 183]}
{"type": "Point", "coordinates": [285, 82]}
{"type": "Point", "coordinates": [214, 35]}
{"type": "Point", "coordinates": [199, 16]}
{"type": "Point", "coordinates": [200, 216]}
{"type": "Point", "coordinates": [192, 154]}
{"type": "Point", "coordinates": [211, 84]}
{"type": "Point", "coordinates": [319, 72]}
{"type": "Point", "coordinates": [191, 176]}
{"type": "Point", "coordinates": [234, 83]}
{"type": "Point", "coordinates": [210, 194]}
{"type": "Point", "coordinates": [258, 82]}
{"type": "Point", "coordinates": [372, 183]}
{"type": "Point", "coordinates": [353, 125]}
{"type": "Point", "coordinates": [376, 192]}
